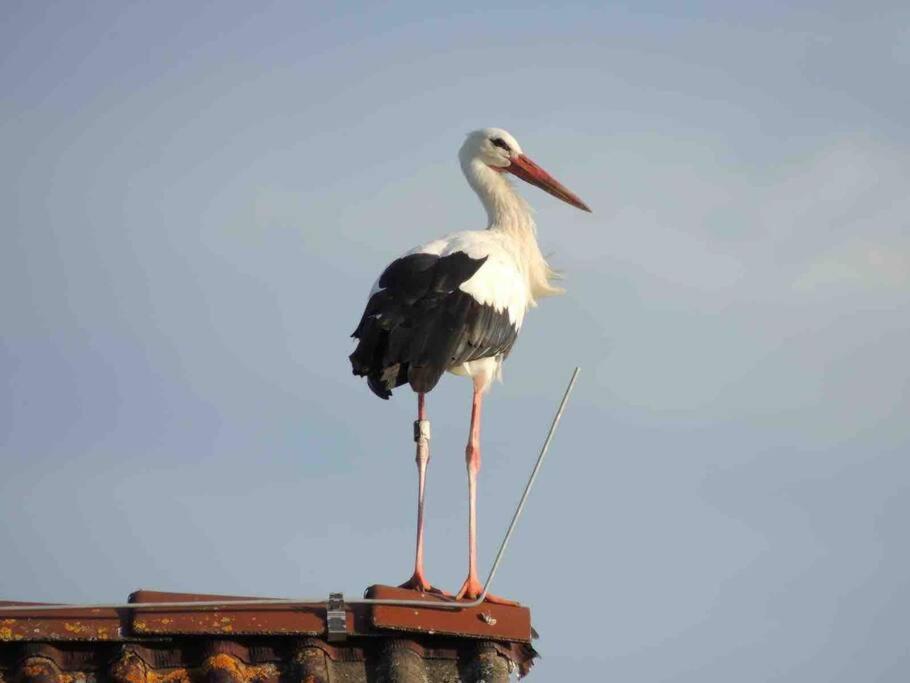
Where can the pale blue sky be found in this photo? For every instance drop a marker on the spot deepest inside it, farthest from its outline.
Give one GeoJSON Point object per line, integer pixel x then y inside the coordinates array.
{"type": "Point", "coordinates": [196, 198]}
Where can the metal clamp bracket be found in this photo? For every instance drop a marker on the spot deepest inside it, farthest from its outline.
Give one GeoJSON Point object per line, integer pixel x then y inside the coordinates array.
{"type": "Point", "coordinates": [336, 618]}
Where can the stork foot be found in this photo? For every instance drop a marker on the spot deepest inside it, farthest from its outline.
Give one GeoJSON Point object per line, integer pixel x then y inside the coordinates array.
{"type": "Point", "coordinates": [472, 588]}
{"type": "Point", "coordinates": [418, 583]}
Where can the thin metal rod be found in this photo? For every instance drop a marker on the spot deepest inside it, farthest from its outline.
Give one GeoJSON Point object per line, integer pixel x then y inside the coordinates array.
{"type": "Point", "coordinates": [524, 495]}
{"type": "Point", "coordinates": [435, 603]}
{"type": "Point", "coordinates": [210, 604]}
{"type": "Point", "coordinates": [178, 603]}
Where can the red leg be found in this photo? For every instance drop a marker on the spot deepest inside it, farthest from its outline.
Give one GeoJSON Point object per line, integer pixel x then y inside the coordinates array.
{"type": "Point", "coordinates": [422, 436]}
{"type": "Point", "coordinates": [472, 587]}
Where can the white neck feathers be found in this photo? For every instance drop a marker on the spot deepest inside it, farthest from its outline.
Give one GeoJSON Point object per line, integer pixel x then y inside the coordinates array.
{"type": "Point", "coordinates": [509, 213]}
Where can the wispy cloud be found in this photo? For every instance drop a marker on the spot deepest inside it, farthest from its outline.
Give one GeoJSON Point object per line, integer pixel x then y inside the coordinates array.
{"type": "Point", "coordinates": [861, 265]}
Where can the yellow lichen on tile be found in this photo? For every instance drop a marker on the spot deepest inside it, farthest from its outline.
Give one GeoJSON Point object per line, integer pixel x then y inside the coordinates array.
{"type": "Point", "coordinates": [175, 676]}
{"type": "Point", "coordinates": [37, 667]}
{"type": "Point", "coordinates": [239, 670]}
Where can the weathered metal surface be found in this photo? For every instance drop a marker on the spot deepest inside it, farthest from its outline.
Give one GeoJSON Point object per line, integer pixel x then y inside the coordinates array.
{"type": "Point", "coordinates": [62, 624]}
{"type": "Point", "coordinates": [240, 620]}
{"type": "Point", "coordinates": [487, 621]}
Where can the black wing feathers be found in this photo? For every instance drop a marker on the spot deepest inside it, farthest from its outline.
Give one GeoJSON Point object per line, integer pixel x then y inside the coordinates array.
{"type": "Point", "coordinates": [419, 324]}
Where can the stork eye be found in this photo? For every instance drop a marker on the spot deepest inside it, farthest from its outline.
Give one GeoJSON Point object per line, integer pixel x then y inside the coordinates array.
{"type": "Point", "coordinates": [499, 142]}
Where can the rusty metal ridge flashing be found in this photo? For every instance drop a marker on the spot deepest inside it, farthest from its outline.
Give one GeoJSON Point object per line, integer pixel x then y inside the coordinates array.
{"type": "Point", "coordinates": [433, 602]}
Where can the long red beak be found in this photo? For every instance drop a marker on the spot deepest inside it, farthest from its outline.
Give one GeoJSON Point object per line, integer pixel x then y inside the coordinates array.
{"type": "Point", "coordinates": [530, 172]}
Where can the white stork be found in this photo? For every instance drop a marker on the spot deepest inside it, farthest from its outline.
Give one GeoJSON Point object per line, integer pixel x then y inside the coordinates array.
{"type": "Point", "coordinates": [457, 304]}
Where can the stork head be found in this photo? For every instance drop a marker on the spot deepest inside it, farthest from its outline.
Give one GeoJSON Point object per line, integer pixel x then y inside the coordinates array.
{"type": "Point", "coordinates": [498, 150]}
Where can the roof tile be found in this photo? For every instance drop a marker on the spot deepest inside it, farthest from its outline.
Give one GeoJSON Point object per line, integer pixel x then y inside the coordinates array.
{"type": "Point", "coordinates": [262, 644]}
